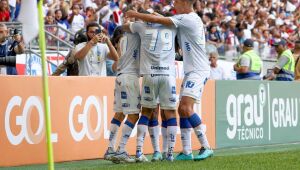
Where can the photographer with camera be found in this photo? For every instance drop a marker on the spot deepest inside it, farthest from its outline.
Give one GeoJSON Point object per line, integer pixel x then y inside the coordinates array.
{"type": "Point", "coordinates": [92, 55]}
{"type": "Point", "coordinates": [70, 63]}
{"type": "Point", "coordinates": [9, 49]}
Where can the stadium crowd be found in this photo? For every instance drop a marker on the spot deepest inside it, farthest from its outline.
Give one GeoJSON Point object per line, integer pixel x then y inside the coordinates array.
{"type": "Point", "coordinates": [228, 23]}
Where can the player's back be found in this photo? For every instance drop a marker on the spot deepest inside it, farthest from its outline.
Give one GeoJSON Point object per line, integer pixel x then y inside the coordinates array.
{"type": "Point", "coordinates": [157, 48]}
{"type": "Point", "coordinates": [191, 38]}
{"type": "Point", "coordinates": [129, 61]}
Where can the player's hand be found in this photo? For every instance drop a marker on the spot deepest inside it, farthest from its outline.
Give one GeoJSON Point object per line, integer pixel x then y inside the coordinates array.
{"type": "Point", "coordinates": [131, 13]}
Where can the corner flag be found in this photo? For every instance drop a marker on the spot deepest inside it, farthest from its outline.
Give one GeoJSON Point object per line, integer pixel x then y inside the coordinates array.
{"type": "Point", "coordinates": [32, 18]}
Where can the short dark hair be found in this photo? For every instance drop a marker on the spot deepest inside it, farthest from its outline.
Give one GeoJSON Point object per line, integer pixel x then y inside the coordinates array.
{"type": "Point", "coordinates": [57, 10]}
{"type": "Point", "coordinates": [92, 24]}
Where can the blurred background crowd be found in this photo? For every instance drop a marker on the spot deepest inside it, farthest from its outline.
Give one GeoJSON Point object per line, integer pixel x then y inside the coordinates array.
{"type": "Point", "coordinates": [228, 23]}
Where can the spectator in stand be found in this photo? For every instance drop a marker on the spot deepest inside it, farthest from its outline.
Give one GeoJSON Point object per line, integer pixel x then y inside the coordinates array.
{"type": "Point", "coordinates": [297, 60]}
{"type": "Point", "coordinates": [264, 44]}
{"type": "Point", "coordinates": [62, 23]}
{"type": "Point", "coordinates": [214, 36]}
{"type": "Point", "coordinates": [216, 72]}
{"type": "Point", "coordinates": [224, 34]}
{"type": "Point", "coordinates": [50, 20]}
{"type": "Point", "coordinates": [4, 11]}
{"type": "Point", "coordinates": [90, 15]}
{"type": "Point", "coordinates": [76, 20]}
{"type": "Point", "coordinates": [64, 6]}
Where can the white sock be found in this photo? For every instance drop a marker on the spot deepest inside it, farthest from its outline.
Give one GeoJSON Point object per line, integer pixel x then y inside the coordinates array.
{"type": "Point", "coordinates": [141, 133]}
{"type": "Point", "coordinates": [200, 133]}
{"type": "Point", "coordinates": [113, 135]}
{"type": "Point", "coordinates": [164, 139]}
{"type": "Point", "coordinates": [126, 132]}
{"type": "Point", "coordinates": [154, 135]}
{"type": "Point", "coordinates": [186, 140]}
{"type": "Point", "coordinates": [171, 131]}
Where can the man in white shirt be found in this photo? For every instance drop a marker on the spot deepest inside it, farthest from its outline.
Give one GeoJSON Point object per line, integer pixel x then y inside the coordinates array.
{"type": "Point", "coordinates": [216, 72]}
{"type": "Point", "coordinates": [93, 54]}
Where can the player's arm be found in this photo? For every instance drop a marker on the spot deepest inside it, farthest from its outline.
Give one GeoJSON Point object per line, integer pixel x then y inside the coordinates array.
{"type": "Point", "coordinates": [150, 18]}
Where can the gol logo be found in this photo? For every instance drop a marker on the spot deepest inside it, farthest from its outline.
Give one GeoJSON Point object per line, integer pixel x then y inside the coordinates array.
{"type": "Point", "coordinates": [84, 119]}
{"type": "Point", "coordinates": [24, 120]}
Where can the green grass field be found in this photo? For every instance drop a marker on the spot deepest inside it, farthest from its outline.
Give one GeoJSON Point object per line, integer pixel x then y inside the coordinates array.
{"type": "Point", "coordinates": [285, 157]}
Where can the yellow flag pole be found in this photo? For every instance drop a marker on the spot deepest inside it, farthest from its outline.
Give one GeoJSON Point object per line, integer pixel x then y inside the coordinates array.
{"type": "Point", "coordinates": [45, 85]}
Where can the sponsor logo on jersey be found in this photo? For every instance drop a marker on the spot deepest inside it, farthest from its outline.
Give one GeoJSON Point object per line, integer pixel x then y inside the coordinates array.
{"type": "Point", "coordinates": [160, 68]}
{"type": "Point", "coordinates": [125, 105]}
{"type": "Point", "coordinates": [123, 95]}
{"type": "Point", "coordinates": [147, 89]}
{"type": "Point", "coordinates": [189, 84]}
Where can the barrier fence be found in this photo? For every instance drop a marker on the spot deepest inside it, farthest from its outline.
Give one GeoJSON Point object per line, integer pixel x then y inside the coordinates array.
{"type": "Point", "coordinates": [81, 110]}
{"type": "Point", "coordinates": [236, 113]}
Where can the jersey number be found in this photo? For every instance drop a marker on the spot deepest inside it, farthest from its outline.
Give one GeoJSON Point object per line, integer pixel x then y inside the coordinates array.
{"type": "Point", "coordinates": [165, 36]}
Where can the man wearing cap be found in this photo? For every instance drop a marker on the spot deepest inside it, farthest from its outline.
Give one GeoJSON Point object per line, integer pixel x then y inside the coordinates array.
{"type": "Point", "coordinates": [285, 66]}
{"type": "Point", "coordinates": [296, 53]}
{"type": "Point", "coordinates": [248, 66]}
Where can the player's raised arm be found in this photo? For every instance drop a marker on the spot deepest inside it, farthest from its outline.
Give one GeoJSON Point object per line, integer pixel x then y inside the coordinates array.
{"type": "Point", "coordinates": [150, 18]}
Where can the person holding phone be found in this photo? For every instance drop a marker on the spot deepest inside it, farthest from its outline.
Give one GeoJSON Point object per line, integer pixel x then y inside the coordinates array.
{"type": "Point", "coordinates": [93, 53]}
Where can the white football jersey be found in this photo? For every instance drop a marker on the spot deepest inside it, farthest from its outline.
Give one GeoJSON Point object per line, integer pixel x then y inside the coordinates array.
{"type": "Point", "coordinates": [129, 61]}
{"type": "Point", "coordinates": [157, 48]}
{"type": "Point", "coordinates": [191, 38]}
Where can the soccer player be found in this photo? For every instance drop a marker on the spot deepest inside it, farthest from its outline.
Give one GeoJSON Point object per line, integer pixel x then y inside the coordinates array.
{"type": "Point", "coordinates": [127, 96]}
{"type": "Point", "coordinates": [196, 67]}
{"type": "Point", "coordinates": [159, 81]}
